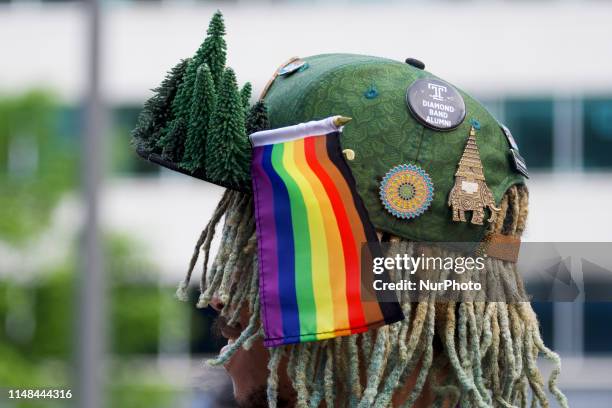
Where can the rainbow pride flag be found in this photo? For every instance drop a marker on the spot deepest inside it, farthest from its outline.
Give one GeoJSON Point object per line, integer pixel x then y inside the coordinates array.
{"type": "Point", "coordinates": [311, 230]}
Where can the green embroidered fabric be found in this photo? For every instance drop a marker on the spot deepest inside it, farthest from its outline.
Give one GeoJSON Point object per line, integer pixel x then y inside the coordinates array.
{"type": "Point", "coordinates": [383, 134]}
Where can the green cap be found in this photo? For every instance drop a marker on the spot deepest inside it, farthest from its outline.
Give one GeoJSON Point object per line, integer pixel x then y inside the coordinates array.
{"type": "Point", "coordinates": [388, 131]}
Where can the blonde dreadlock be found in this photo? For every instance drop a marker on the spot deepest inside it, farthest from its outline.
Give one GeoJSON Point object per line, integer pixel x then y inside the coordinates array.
{"type": "Point", "coordinates": [488, 351]}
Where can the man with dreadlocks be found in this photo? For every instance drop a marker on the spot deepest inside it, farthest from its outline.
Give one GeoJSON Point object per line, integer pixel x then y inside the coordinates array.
{"type": "Point", "coordinates": [414, 167]}
{"type": "Point", "coordinates": [425, 360]}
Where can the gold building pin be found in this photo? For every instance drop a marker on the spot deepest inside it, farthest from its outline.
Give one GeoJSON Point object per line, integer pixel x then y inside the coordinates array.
{"type": "Point", "coordinates": [470, 192]}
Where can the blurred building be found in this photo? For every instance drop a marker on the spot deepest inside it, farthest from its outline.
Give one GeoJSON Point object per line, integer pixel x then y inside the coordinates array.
{"type": "Point", "coordinates": [541, 67]}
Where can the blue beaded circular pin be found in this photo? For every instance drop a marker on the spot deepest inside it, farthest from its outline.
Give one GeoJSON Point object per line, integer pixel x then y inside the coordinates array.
{"type": "Point", "coordinates": [406, 191]}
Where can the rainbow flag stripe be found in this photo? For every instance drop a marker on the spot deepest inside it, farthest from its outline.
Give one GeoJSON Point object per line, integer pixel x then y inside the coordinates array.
{"type": "Point", "coordinates": [311, 226]}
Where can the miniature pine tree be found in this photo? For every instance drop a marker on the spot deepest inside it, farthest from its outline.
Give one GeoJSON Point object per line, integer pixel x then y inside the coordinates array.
{"type": "Point", "coordinates": [245, 95]}
{"type": "Point", "coordinates": [213, 49]}
{"type": "Point", "coordinates": [258, 118]}
{"type": "Point", "coordinates": [172, 136]}
{"type": "Point", "coordinates": [181, 107]}
{"type": "Point", "coordinates": [227, 146]}
{"type": "Point", "coordinates": [157, 110]}
{"type": "Point", "coordinates": [202, 107]}
{"type": "Point", "coordinates": [172, 142]}
{"type": "Point", "coordinates": [213, 53]}
{"type": "Point", "coordinates": [174, 133]}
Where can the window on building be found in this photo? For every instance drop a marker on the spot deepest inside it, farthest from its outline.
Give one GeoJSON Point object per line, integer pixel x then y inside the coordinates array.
{"type": "Point", "coordinates": [597, 334]}
{"type": "Point", "coordinates": [544, 311]}
{"type": "Point", "coordinates": [597, 122]}
{"type": "Point", "coordinates": [531, 123]}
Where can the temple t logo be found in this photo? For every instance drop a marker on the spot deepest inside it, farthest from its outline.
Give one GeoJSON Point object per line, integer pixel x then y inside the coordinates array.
{"type": "Point", "coordinates": [438, 90]}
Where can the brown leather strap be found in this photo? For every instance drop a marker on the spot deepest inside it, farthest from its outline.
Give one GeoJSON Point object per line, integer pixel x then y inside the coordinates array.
{"type": "Point", "coordinates": [504, 247]}
{"type": "Point", "coordinates": [271, 81]}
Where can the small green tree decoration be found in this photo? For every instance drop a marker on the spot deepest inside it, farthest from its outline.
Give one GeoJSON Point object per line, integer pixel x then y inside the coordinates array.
{"type": "Point", "coordinates": [172, 142]}
{"type": "Point", "coordinates": [202, 107]}
{"type": "Point", "coordinates": [157, 110]}
{"type": "Point", "coordinates": [213, 53]}
{"type": "Point", "coordinates": [214, 49]}
{"type": "Point", "coordinates": [197, 119]}
{"type": "Point", "coordinates": [258, 118]}
{"type": "Point", "coordinates": [245, 95]}
{"type": "Point", "coordinates": [175, 132]}
{"type": "Point", "coordinates": [227, 147]}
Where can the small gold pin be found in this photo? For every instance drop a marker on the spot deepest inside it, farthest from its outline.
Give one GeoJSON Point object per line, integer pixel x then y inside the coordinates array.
{"type": "Point", "coordinates": [470, 192]}
{"type": "Point", "coordinates": [349, 154]}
